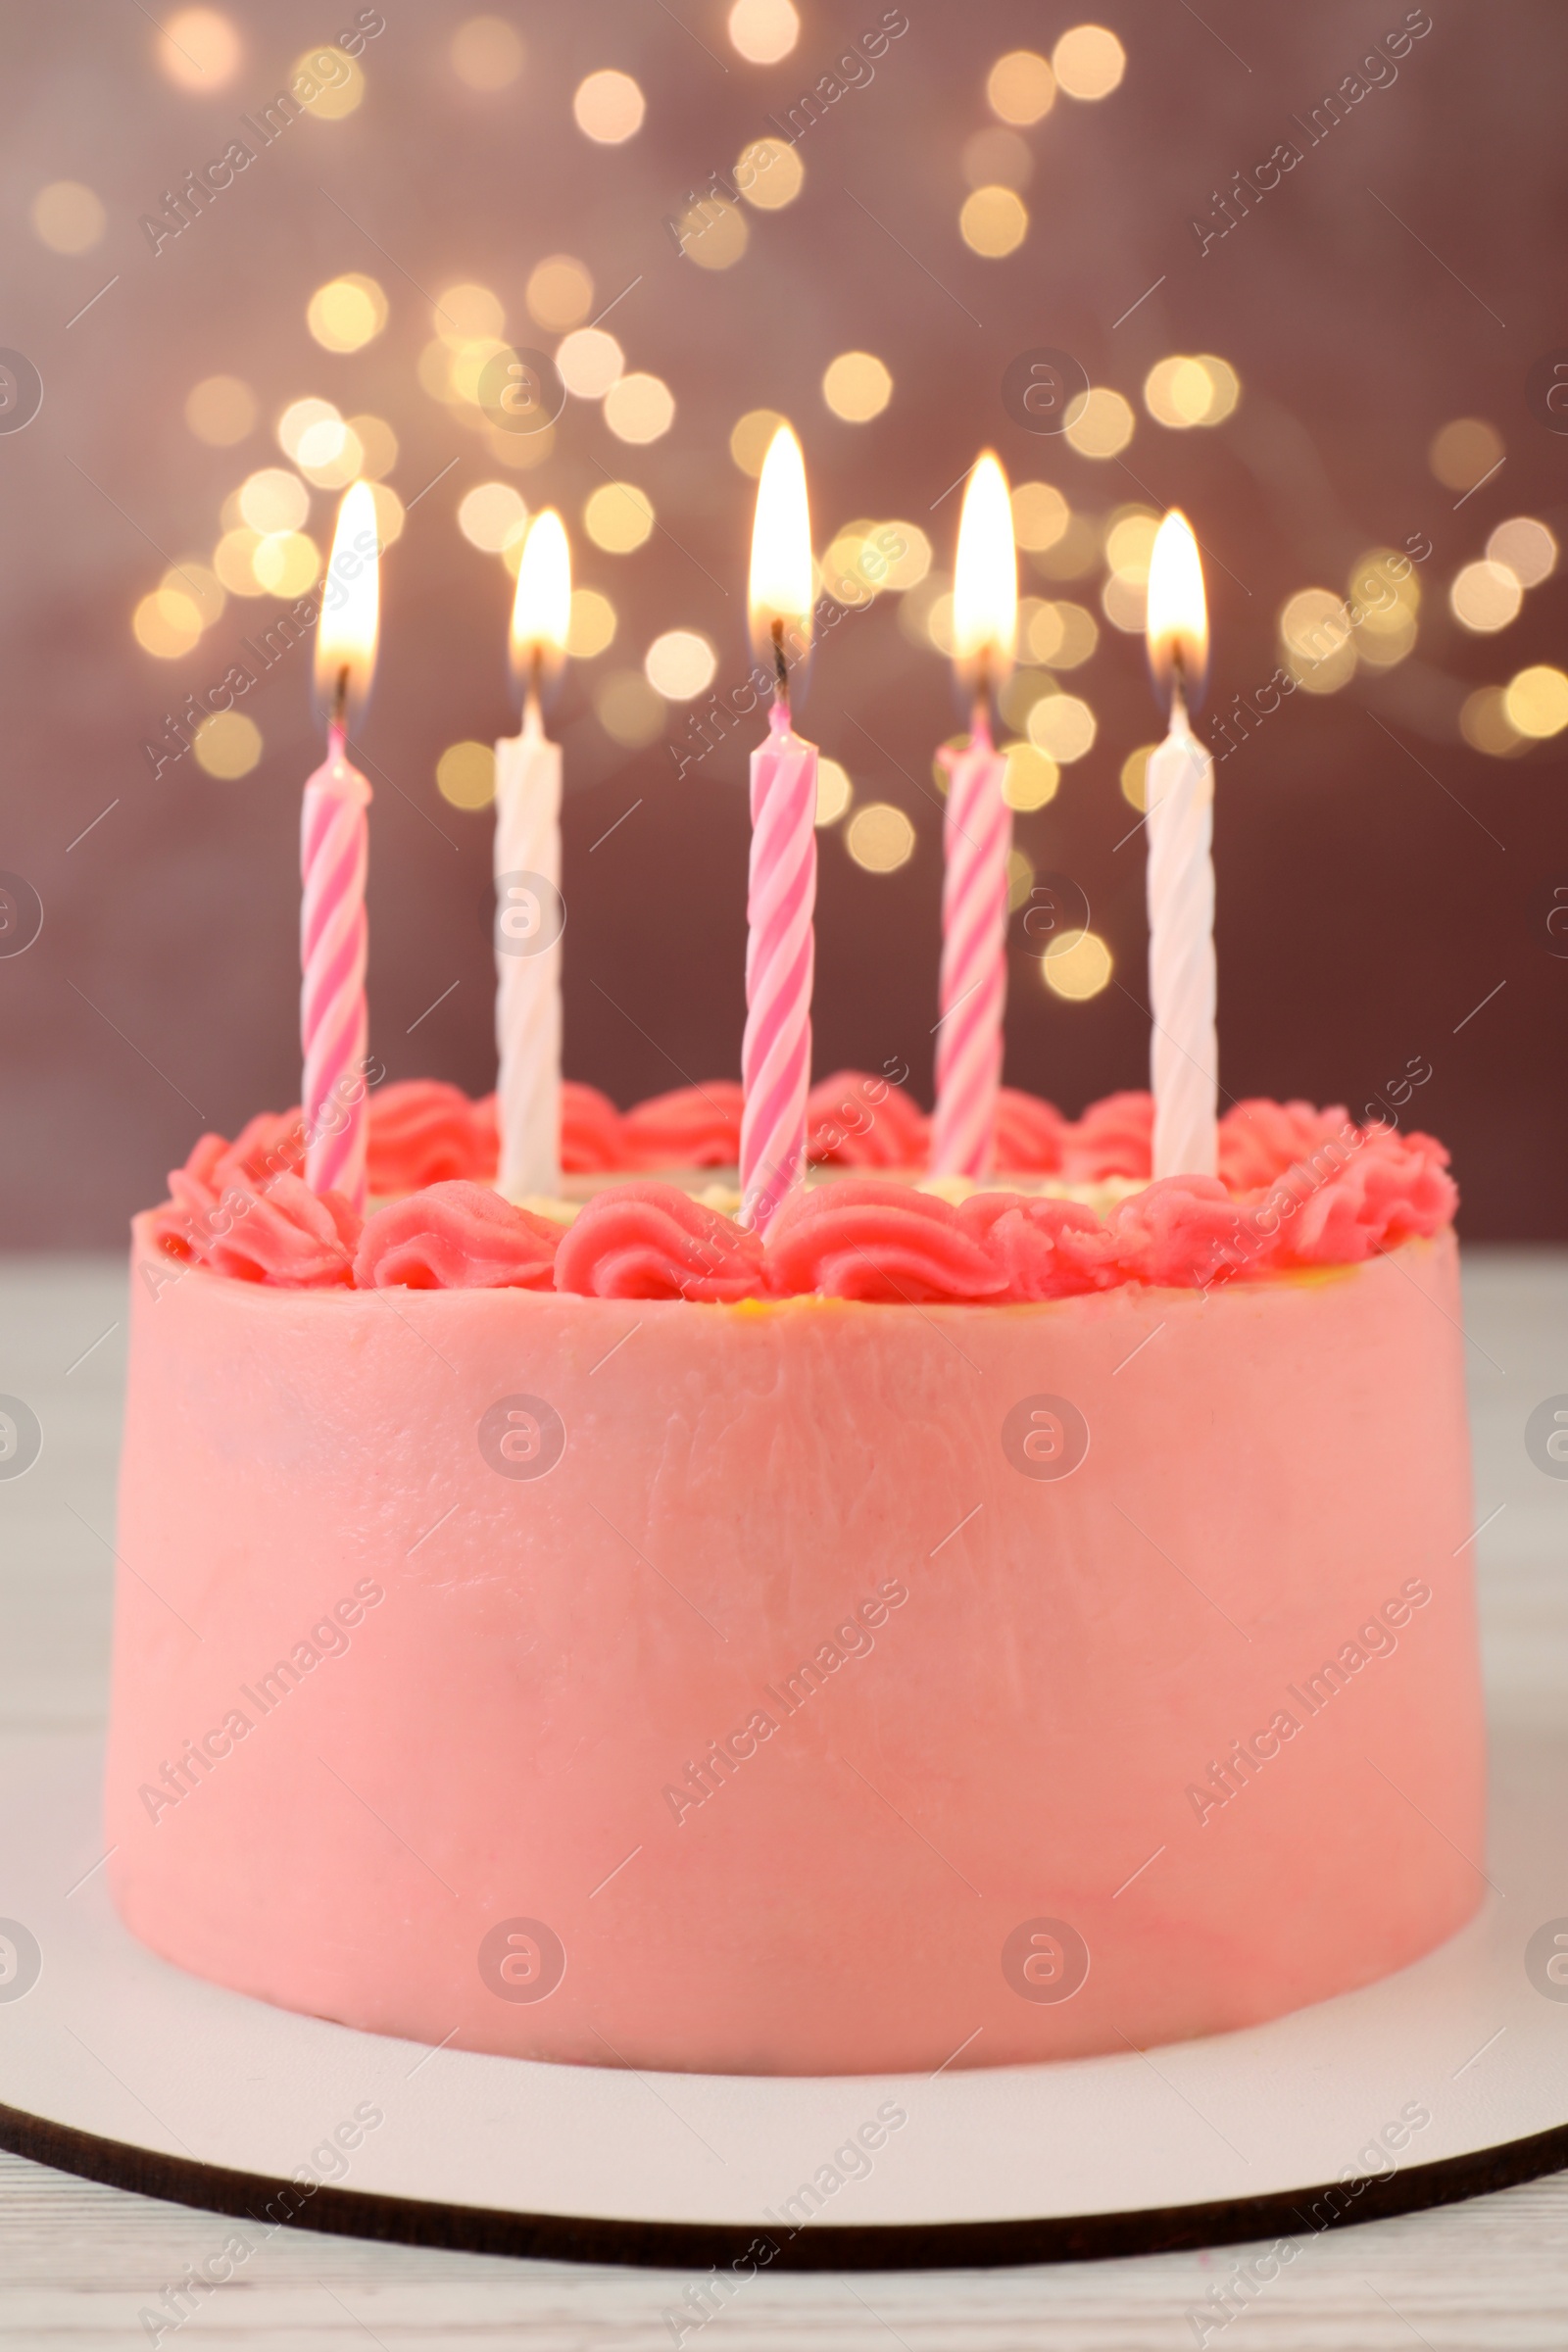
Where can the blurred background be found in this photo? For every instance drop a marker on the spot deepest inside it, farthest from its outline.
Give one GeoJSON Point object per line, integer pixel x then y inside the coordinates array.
{"type": "Point", "coordinates": [1305, 262]}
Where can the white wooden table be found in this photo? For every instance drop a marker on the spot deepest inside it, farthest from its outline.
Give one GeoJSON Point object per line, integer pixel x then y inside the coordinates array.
{"type": "Point", "coordinates": [79, 2264]}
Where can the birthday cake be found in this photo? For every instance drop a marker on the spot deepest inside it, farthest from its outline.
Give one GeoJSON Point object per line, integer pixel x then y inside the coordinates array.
{"type": "Point", "coordinates": [967, 1624]}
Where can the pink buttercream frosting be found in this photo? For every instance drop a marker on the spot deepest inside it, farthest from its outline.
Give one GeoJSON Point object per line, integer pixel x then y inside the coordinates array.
{"type": "Point", "coordinates": [1031, 1135]}
{"type": "Point", "coordinates": [1115, 1137]}
{"type": "Point", "coordinates": [653, 1241]}
{"type": "Point", "coordinates": [276, 1231]}
{"type": "Point", "coordinates": [456, 1237]}
{"type": "Point", "coordinates": [421, 1132]}
{"type": "Point", "coordinates": [695, 1127]}
{"type": "Point", "coordinates": [854, 1120]}
{"type": "Point", "coordinates": [1298, 1187]}
{"type": "Point", "coordinates": [592, 1143]}
{"type": "Point", "coordinates": [869, 1239]}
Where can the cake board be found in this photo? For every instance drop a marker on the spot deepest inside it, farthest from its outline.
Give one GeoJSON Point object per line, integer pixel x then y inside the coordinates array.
{"type": "Point", "coordinates": [1445, 2081]}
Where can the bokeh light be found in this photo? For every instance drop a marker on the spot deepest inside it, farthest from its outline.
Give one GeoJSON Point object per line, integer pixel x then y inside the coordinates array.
{"type": "Point", "coordinates": [680, 665]}
{"type": "Point", "coordinates": [1022, 87]}
{"type": "Point", "coordinates": [751, 437]}
{"type": "Point", "coordinates": [167, 623]}
{"type": "Point", "coordinates": [380, 443]}
{"type": "Point", "coordinates": [1062, 726]}
{"type": "Point", "coordinates": [617, 516]}
{"type": "Point", "coordinates": [191, 578]}
{"type": "Point", "coordinates": [1463, 453]}
{"type": "Point", "coordinates": [1124, 601]}
{"type": "Point", "coordinates": [1526, 547]}
{"type": "Point", "coordinates": [560, 293]}
{"type": "Point", "coordinates": [880, 838]}
{"type": "Point", "coordinates": [466, 774]}
{"type": "Point", "coordinates": [1134, 777]}
{"type": "Point", "coordinates": [221, 410]}
{"type": "Point", "coordinates": [857, 386]}
{"type": "Point", "coordinates": [1030, 778]}
{"type": "Point", "coordinates": [1536, 702]}
{"type": "Point", "coordinates": [592, 626]}
{"type": "Point", "coordinates": [909, 570]}
{"type": "Point", "coordinates": [286, 562]}
{"type": "Point", "coordinates": [1062, 636]}
{"type": "Point", "coordinates": [1182, 391]}
{"type": "Point", "coordinates": [234, 561]}
{"type": "Point", "coordinates": [1486, 597]}
{"type": "Point", "coordinates": [996, 157]}
{"type": "Point", "coordinates": [199, 49]}
{"type": "Point", "coordinates": [1130, 541]}
{"type": "Point", "coordinates": [764, 30]}
{"type": "Point", "coordinates": [273, 499]}
{"type": "Point", "coordinates": [1078, 967]}
{"type": "Point", "coordinates": [310, 430]}
{"type": "Point", "coordinates": [487, 53]}
{"type": "Point", "coordinates": [609, 107]}
{"type": "Point", "coordinates": [1089, 62]}
{"type": "Point", "coordinates": [994, 221]}
{"type": "Point", "coordinates": [834, 792]}
{"type": "Point", "coordinates": [338, 78]}
{"type": "Point", "coordinates": [639, 408]}
{"type": "Point", "coordinates": [713, 232]}
{"type": "Point", "coordinates": [1319, 648]}
{"type": "Point", "coordinates": [590, 361]}
{"type": "Point", "coordinates": [1100, 422]}
{"type": "Point", "coordinates": [1387, 594]}
{"type": "Point", "coordinates": [1039, 515]}
{"type": "Point", "coordinates": [628, 710]}
{"type": "Point", "coordinates": [1486, 726]}
{"type": "Point", "coordinates": [467, 313]}
{"type": "Point", "coordinates": [347, 313]}
{"type": "Point", "coordinates": [769, 174]}
{"type": "Point", "coordinates": [390, 514]}
{"type": "Point", "coordinates": [1020, 877]}
{"type": "Point", "coordinates": [1075, 553]}
{"type": "Point", "coordinates": [491, 516]}
{"type": "Point", "coordinates": [330, 454]}
{"type": "Point", "coordinates": [227, 744]}
{"type": "Point", "coordinates": [67, 216]}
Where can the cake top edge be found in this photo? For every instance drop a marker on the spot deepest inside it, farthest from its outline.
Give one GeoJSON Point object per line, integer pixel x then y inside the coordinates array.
{"type": "Point", "coordinates": [1298, 1189]}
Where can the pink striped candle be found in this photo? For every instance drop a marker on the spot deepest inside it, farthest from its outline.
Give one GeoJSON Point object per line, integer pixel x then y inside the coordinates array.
{"type": "Point", "coordinates": [780, 956]}
{"type": "Point", "coordinates": [977, 838]}
{"type": "Point", "coordinates": [334, 1020]}
{"type": "Point", "coordinates": [335, 842]}
{"type": "Point", "coordinates": [780, 946]}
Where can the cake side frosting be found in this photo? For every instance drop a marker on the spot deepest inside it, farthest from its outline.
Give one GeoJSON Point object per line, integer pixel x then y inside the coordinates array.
{"type": "Point", "coordinates": [1298, 1187]}
{"type": "Point", "coordinates": [779, 1665]}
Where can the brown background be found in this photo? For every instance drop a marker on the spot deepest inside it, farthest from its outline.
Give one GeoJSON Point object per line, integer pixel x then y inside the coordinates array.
{"type": "Point", "coordinates": [1363, 912]}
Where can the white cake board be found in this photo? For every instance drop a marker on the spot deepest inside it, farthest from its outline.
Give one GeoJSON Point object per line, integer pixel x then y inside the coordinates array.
{"type": "Point", "coordinates": [120, 2067]}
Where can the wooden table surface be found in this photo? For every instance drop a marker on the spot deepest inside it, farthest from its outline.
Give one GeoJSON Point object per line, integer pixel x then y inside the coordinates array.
{"type": "Point", "coordinates": [80, 2264]}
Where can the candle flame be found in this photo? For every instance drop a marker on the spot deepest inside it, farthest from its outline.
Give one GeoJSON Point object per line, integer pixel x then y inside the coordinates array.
{"type": "Point", "coordinates": [541, 609]}
{"type": "Point", "coordinates": [1178, 612]}
{"type": "Point", "coordinates": [351, 609]}
{"type": "Point", "coordinates": [985, 586]}
{"type": "Point", "coordinates": [781, 593]}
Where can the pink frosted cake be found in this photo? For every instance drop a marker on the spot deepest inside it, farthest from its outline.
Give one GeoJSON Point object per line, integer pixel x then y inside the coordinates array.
{"type": "Point", "coordinates": [974, 1625]}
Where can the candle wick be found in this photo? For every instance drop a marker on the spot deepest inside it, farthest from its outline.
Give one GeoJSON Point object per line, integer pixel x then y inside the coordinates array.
{"type": "Point", "coordinates": [1178, 687]}
{"type": "Point", "coordinates": [781, 668]}
{"type": "Point", "coordinates": [340, 703]}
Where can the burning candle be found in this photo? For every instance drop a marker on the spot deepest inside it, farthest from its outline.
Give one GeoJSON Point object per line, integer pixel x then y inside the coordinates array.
{"type": "Point", "coordinates": [977, 836]}
{"type": "Point", "coordinates": [1179, 794]}
{"type": "Point", "coordinates": [780, 946]}
{"type": "Point", "coordinates": [530, 912]}
{"type": "Point", "coordinates": [334, 1026]}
